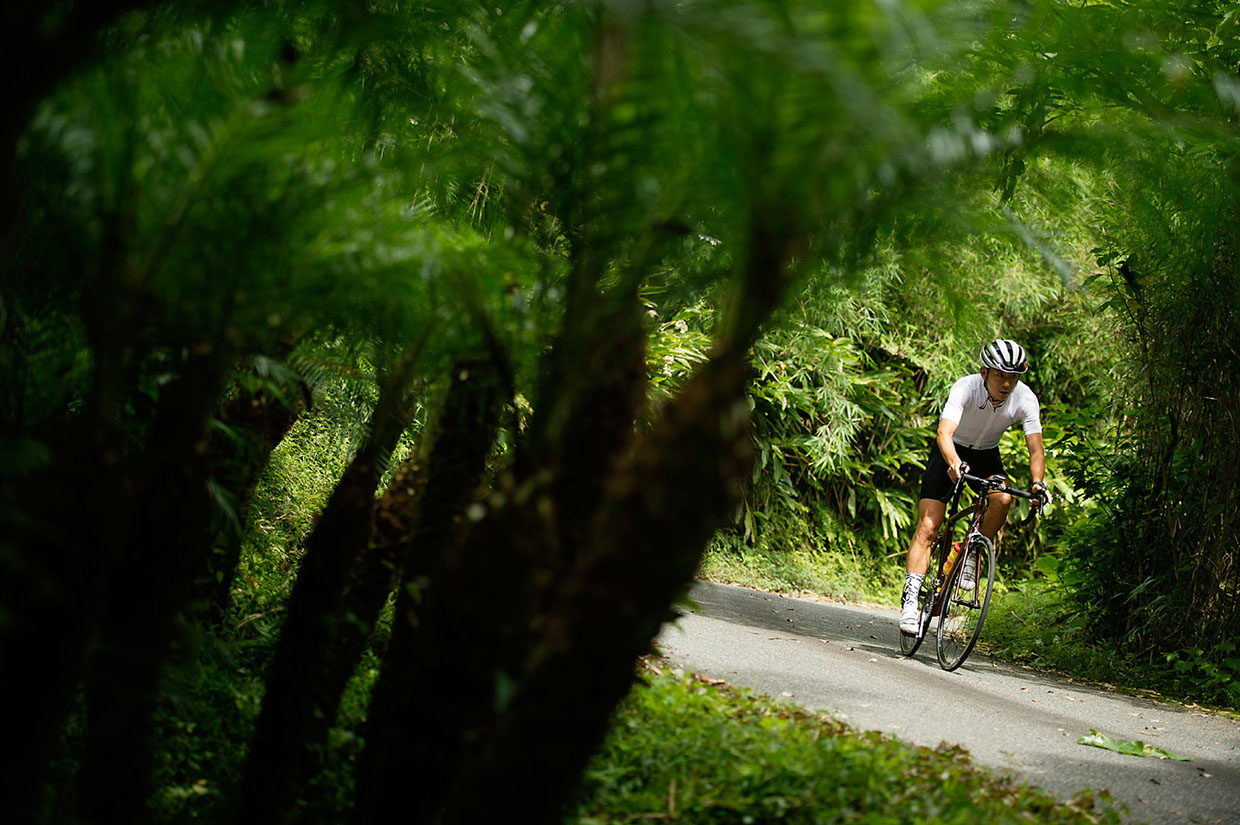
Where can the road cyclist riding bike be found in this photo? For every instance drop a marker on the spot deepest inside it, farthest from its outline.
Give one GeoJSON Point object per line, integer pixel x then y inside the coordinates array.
{"type": "Point", "coordinates": [979, 408]}
{"type": "Point", "coordinates": [958, 597]}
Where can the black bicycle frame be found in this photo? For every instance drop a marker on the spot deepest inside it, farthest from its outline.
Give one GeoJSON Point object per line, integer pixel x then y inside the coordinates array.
{"type": "Point", "coordinates": [996, 484]}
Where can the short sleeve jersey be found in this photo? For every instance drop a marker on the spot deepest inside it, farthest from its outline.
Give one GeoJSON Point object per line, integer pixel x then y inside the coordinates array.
{"type": "Point", "coordinates": [978, 423]}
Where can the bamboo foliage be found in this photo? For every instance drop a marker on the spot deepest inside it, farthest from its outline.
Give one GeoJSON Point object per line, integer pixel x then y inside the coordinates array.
{"type": "Point", "coordinates": [1154, 568]}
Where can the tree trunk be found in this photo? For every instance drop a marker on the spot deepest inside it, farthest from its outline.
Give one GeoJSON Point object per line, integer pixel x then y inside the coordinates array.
{"type": "Point", "coordinates": [604, 393]}
{"type": "Point", "coordinates": [341, 587]}
{"type": "Point", "coordinates": [308, 672]}
{"type": "Point", "coordinates": [462, 640]}
{"type": "Point", "coordinates": [661, 509]}
{"type": "Point", "coordinates": [402, 768]}
{"type": "Point", "coordinates": [45, 587]}
{"type": "Point", "coordinates": [166, 542]}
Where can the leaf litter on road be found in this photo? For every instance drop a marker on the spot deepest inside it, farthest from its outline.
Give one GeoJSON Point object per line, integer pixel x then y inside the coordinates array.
{"type": "Point", "coordinates": [1128, 746]}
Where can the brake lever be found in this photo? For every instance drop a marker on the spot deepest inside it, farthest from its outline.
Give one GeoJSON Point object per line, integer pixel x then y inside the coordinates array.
{"type": "Point", "coordinates": [1035, 510]}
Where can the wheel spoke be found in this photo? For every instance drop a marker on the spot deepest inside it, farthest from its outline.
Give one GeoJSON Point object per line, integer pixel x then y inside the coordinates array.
{"type": "Point", "coordinates": [965, 608]}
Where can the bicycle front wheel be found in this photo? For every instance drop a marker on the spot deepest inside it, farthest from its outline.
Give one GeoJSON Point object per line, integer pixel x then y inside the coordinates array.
{"type": "Point", "coordinates": [965, 605]}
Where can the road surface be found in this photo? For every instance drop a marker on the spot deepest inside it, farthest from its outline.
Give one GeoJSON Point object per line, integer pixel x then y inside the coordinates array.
{"type": "Point", "coordinates": [845, 660]}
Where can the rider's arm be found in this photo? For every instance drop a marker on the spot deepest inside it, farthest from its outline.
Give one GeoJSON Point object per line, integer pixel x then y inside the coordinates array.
{"type": "Point", "coordinates": [947, 447]}
{"type": "Point", "coordinates": [1031, 414]}
{"type": "Point", "coordinates": [1037, 456]}
{"type": "Point", "coordinates": [1037, 463]}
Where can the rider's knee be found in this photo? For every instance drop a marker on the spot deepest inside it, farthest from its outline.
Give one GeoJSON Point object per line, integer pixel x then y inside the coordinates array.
{"type": "Point", "coordinates": [927, 526]}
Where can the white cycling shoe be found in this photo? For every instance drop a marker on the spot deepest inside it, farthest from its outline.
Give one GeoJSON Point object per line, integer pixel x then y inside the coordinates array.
{"type": "Point", "coordinates": [968, 575]}
{"type": "Point", "coordinates": [908, 619]}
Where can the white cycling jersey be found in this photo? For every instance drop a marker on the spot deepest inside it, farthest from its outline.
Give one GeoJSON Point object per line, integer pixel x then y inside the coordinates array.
{"type": "Point", "coordinates": [979, 424]}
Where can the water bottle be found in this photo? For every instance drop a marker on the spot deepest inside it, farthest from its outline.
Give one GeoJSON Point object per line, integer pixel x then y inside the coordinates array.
{"type": "Point", "coordinates": [951, 558]}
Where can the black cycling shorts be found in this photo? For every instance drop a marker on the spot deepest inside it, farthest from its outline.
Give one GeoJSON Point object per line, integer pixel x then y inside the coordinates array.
{"type": "Point", "coordinates": [937, 484]}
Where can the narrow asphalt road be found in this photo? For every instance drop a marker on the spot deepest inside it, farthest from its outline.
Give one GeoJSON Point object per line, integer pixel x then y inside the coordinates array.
{"type": "Point", "coordinates": [846, 660]}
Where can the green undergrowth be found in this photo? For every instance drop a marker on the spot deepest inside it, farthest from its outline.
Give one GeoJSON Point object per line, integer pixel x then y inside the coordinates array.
{"type": "Point", "coordinates": [291, 492]}
{"type": "Point", "coordinates": [839, 576]}
{"type": "Point", "coordinates": [739, 757]}
{"type": "Point", "coordinates": [1029, 623]}
{"type": "Point", "coordinates": [211, 703]}
{"type": "Point", "coordinates": [1032, 623]}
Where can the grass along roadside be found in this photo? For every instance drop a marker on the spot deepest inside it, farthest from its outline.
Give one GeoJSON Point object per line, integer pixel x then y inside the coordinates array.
{"type": "Point", "coordinates": [1030, 623]}
{"type": "Point", "coordinates": [833, 576]}
{"type": "Point", "coordinates": [696, 750]}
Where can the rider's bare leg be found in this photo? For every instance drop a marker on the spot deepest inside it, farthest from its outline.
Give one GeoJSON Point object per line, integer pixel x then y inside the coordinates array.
{"type": "Point", "coordinates": [930, 513]}
{"type": "Point", "coordinates": [996, 514]}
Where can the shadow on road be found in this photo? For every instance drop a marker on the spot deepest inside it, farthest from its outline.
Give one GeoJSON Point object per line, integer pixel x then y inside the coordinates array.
{"type": "Point", "coordinates": [864, 628]}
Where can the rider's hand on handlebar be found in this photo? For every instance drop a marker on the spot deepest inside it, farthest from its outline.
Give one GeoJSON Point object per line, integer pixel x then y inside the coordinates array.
{"type": "Point", "coordinates": [954, 471]}
{"type": "Point", "coordinates": [1041, 489]}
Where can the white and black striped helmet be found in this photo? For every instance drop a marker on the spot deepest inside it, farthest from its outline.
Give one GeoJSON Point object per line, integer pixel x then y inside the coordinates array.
{"type": "Point", "coordinates": [1004, 354]}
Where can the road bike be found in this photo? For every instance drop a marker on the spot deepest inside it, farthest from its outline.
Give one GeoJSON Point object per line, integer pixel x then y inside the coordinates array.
{"type": "Point", "coordinates": [958, 603]}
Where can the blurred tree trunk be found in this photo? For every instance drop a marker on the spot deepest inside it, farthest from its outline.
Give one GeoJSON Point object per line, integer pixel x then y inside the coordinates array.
{"type": "Point", "coordinates": [462, 627]}
{"type": "Point", "coordinates": [466, 432]}
{"type": "Point", "coordinates": [344, 579]}
{"type": "Point", "coordinates": [149, 581]}
{"type": "Point", "coordinates": [513, 646]}
{"type": "Point", "coordinates": [114, 568]}
{"type": "Point", "coordinates": [72, 542]}
{"type": "Point", "coordinates": [673, 488]}
{"type": "Point", "coordinates": [78, 514]}
{"type": "Point", "coordinates": [598, 391]}
{"type": "Point", "coordinates": [661, 508]}
{"type": "Point", "coordinates": [46, 591]}
{"type": "Point", "coordinates": [302, 681]}
{"type": "Point", "coordinates": [126, 535]}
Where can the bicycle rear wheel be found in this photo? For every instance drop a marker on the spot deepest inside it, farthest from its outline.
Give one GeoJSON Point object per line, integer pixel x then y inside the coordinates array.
{"type": "Point", "coordinates": [909, 642]}
{"type": "Point", "coordinates": [965, 608]}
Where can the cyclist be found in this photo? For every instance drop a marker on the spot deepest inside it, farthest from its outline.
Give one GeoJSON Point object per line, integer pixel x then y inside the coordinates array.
{"type": "Point", "coordinates": [979, 408]}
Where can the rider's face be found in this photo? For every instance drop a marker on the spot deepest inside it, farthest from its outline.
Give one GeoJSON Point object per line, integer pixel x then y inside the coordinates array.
{"type": "Point", "coordinates": [999, 383]}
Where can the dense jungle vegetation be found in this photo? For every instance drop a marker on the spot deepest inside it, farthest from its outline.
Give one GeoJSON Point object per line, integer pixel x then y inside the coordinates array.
{"type": "Point", "coordinates": [373, 377]}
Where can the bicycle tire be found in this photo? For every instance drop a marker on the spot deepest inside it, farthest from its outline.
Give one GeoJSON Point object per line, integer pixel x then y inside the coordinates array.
{"type": "Point", "coordinates": [964, 610]}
